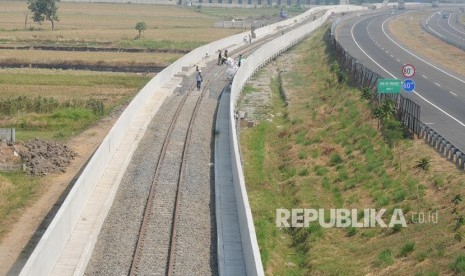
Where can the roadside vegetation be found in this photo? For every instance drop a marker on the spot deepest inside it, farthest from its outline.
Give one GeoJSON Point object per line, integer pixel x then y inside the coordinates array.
{"type": "Point", "coordinates": [58, 105]}
{"type": "Point", "coordinates": [324, 149]}
{"type": "Point", "coordinates": [16, 190]}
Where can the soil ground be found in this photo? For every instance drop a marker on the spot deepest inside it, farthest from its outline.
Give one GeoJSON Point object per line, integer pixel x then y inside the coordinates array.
{"type": "Point", "coordinates": [26, 232]}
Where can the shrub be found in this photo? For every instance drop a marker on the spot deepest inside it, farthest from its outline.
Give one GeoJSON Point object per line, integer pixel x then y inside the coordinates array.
{"type": "Point", "coordinates": [458, 266]}
{"type": "Point", "coordinates": [315, 230]}
{"type": "Point", "coordinates": [385, 257]}
{"type": "Point", "coordinates": [438, 180]}
{"type": "Point", "coordinates": [366, 93]}
{"type": "Point", "coordinates": [459, 222]}
{"type": "Point", "coordinates": [381, 199]}
{"type": "Point", "coordinates": [423, 163]}
{"type": "Point", "coordinates": [407, 249]}
{"type": "Point", "coordinates": [300, 137]}
{"type": "Point", "coordinates": [343, 175]}
{"type": "Point", "coordinates": [303, 172]}
{"type": "Point", "coordinates": [326, 183]}
{"type": "Point", "coordinates": [315, 154]}
{"type": "Point", "coordinates": [397, 228]}
{"type": "Point", "coordinates": [302, 155]}
{"type": "Point", "coordinates": [457, 199]}
{"type": "Point", "coordinates": [349, 184]}
{"type": "Point", "coordinates": [43, 105]}
{"type": "Point", "coordinates": [351, 231]}
{"type": "Point", "coordinates": [335, 159]}
{"type": "Point", "coordinates": [393, 132]}
{"type": "Point", "coordinates": [399, 195]}
{"type": "Point", "coordinates": [421, 256]}
{"type": "Point", "coordinates": [320, 171]}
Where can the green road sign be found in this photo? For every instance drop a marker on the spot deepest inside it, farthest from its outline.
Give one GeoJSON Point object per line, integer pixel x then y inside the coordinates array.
{"type": "Point", "coordinates": [389, 86]}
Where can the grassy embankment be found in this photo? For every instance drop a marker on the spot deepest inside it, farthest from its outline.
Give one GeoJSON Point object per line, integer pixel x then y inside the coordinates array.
{"type": "Point", "coordinates": [324, 151]}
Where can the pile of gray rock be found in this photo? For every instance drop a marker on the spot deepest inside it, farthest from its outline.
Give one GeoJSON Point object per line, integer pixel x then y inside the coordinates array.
{"type": "Point", "coordinates": [43, 157]}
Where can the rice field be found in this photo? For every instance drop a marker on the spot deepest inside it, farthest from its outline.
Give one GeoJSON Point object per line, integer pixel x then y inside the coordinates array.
{"type": "Point", "coordinates": [111, 23]}
{"type": "Point", "coordinates": [171, 32]}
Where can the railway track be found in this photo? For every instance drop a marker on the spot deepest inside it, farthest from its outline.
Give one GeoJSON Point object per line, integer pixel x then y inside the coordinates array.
{"type": "Point", "coordinates": [163, 204]}
{"type": "Point", "coordinates": [159, 248]}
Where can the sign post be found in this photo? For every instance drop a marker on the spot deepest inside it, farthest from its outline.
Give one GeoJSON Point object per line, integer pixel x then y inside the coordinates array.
{"type": "Point", "coordinates": [389, 86]}
{"type": "Point", "coordinates": [408, 70]}
{"type": "Point", "coordinates": [408, 85]}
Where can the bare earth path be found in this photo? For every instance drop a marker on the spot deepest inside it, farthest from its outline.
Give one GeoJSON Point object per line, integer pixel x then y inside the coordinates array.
{"type": "Point", "coordinates": [16, 246]}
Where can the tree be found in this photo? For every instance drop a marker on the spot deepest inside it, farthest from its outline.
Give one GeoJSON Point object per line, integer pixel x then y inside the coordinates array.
{"type": "Point", "coordinates": [44, 10]}
{"type": "Point", "coordinates": [140, 27]}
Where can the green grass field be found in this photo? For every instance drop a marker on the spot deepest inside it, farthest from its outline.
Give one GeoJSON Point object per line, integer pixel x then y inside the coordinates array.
{"type": "Point", "coordinates": [65, 109]}
{"type": "Point", "coordinates": [16, 190]}
{"type": "Point", "coordinates": [324, 150]}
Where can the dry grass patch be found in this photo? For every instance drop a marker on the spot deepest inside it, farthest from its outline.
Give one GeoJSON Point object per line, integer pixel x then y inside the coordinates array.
{"type": "Point", "coordinates": [88, 58]}
{"type": "Point", "coordinates": [113, 22]}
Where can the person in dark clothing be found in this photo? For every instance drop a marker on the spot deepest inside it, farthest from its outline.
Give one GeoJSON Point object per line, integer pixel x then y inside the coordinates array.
{"type": "Point", "coordinates": [220, 58]}
{"type": "Point", "coordinates": [199, 79]}
{"type": "Point", "coordinates": [239, 61]}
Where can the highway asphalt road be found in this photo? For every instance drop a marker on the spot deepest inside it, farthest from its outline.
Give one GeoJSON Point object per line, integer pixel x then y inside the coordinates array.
{"type": "Point", "coordinates": [439, 91]}
{"type": "Point", "coordinates": [444, 24]}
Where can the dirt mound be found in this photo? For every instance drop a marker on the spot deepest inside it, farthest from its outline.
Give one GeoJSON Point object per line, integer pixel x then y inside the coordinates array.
{"type": "Point", "coordinates": [8, 154]}
{"type": "Point", "coordinates": [42, 157]}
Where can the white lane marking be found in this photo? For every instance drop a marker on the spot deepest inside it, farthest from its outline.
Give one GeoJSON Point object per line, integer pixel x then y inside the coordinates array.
{"type": "Point", "coordinates": [398, 60]}
{"type": "Point", "coordinates": [446, 30]}
{"type": "Point", "coordinates": [448, 22]}
{"type": "Point", "coordinates": [392, 56]}
{"type": "Point", "coordinates": [437, 84]}
{"type": "Point", "coordinates": [431, 16]}
{"type": "Point", "coordinates": [436, 32]}
{"type": "Point", "coordinates": [389, 73]}
{"type": "Point", "coordinates": [429, 123]}
{"type": "Point", "coordinates": [424, 76]}
{"type": "Point", "coordinates": [452, 93]}
{"type": "Point", "coordinates": [432, 65]}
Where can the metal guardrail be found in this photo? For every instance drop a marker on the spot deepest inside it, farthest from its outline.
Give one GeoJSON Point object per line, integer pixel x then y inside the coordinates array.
{"type": "Point", "coordinates": [408, 112]}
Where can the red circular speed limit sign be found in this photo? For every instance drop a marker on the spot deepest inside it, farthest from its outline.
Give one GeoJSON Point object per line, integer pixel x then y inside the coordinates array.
{"type": "Point", "coordinates": [408, 70]}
